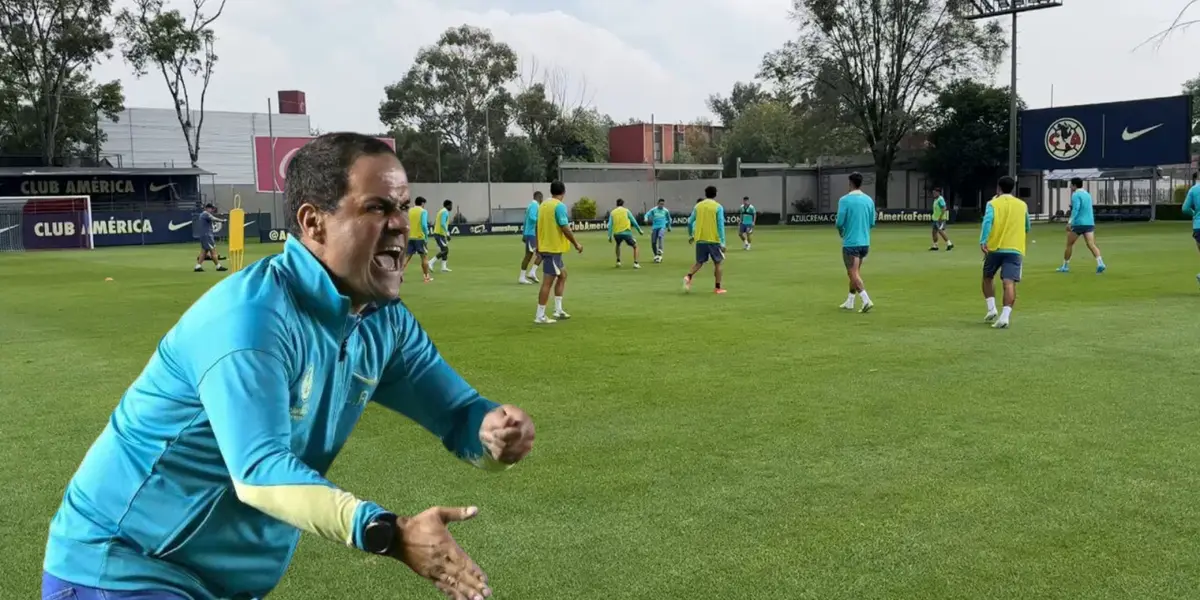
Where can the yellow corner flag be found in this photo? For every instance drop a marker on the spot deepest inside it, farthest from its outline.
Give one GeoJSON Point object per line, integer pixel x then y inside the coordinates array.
{"type": "Point", "coordinates": [237, 234]}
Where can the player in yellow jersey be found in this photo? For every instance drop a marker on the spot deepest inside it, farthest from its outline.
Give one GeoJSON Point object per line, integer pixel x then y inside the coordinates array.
{"type": "Point", "coordinates": [441, 235]}
{"type": "Point", "coordinates": [706, 227]}
{"type": "Point", "coordinates": [1005, 225]}
{"type": "Point", "coordinates": [621, 224]}
{"type": "Point", "coordinates": [418, 232]}
{"type": "Point", "coordinates": [554, 239]}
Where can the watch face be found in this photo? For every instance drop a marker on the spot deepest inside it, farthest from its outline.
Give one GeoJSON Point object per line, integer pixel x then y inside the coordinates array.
{"type": "Point", "coordinates": [378, 537]}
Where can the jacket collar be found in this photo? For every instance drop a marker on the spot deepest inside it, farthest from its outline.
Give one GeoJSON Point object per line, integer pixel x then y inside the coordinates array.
{"type": "Point", "coordinates": [313, 286]}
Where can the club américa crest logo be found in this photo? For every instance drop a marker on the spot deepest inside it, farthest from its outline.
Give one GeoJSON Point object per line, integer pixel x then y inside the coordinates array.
{"type": "Point", "coordinates": [1065, 139]}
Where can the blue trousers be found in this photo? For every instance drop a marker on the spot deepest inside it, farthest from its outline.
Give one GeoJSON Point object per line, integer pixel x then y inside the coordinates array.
{"type": "Point", "coordinates": [657, 237]}
{"type": "Point", "coordinates": [54, 588]}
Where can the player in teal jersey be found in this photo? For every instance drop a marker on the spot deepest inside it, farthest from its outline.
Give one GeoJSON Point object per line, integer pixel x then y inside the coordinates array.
{"type": "Point", "coordinates": [1083, 224]}
{"type": "Point", "coordinates": [529, 239]}
{"type": "Point", "coordinates": [749, 218]}
{"type": "Point", "coordinates": [941, 214]}
{"type": "Point", "coordinates": [216, 457]}
{"type": "Point", "coordinates": [855, 219]}
{"type": "Point", "coordinates": [659, 220]}
{"type": "Point", "coordinates": [1191, 208]}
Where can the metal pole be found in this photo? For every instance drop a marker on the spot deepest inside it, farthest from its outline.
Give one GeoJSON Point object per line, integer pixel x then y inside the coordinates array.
{"type": "Point", "coordinates": [274, 167]}
{"type": "Point", "coordinates": [1012, 106]}
{"type": "Point", "coordinates": [487, 132]}
{"type": "Point", "coordinates": [439, 156]}
{"type": "Point", "coordinates": [653, 159]}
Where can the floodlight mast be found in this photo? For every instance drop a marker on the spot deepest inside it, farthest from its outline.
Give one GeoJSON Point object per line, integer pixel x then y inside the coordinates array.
{"type": "Point", "coordinates": [985, 9]}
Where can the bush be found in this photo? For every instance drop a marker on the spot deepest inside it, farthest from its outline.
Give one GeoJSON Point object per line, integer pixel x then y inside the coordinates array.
{"type": "Point", "coordinates": [1181, 193]}
{"type": "Point", "coordinates": [584, 209]}
{"type": "Point", "coordinates": [804, 206]}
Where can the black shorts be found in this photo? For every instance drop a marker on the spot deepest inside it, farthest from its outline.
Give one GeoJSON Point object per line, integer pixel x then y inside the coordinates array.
{"type": "Point", "coordinates": [207, 246]}
{"type": "Point", "coordinates": [849, 253]}
{"type": "Point", "coordinates": [1008, 264]}
{"type": "Point", "coordinates": [1082, 229]}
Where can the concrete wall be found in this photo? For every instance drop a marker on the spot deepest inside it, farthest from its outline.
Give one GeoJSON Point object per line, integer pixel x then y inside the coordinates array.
{"type": "Point", "coordinates": [151, 137]}
{"type": "Point", "coordinates": [768, 193]}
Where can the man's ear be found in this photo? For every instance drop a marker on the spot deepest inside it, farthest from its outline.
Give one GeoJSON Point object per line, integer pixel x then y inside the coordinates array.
{"type": "Point", "coordinates": [312, 222]}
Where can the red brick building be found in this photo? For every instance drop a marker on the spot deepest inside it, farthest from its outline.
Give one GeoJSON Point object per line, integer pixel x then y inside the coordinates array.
{"type": "Point", "coordinates": [643, 142]}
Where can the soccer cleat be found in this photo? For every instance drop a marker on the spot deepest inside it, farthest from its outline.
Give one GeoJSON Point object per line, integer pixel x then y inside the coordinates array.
{"type": "Point", "coordinates": [543, 320]}
{"type": "Point", "coordinates": [533, 278]}
{"type": "Point", "coordinates": [846, 306]}
{"type": "Point", "coordinates": [949, 246]}
{"type": "Point", "coordinates": [991, 316]}
{"type": "Point", "coordinates": [444, 269]}
{"type": "Point", "coordinates": [866, 307]}
{"type": "Point", "coordinates": [637, 266]}
{"type": "Point", "coordinates": [561, 314]}
{"type": "Point", "coordinates": [933, 248]}
{"type": "Point", "coordinates": [428, 279]}
{"type": "Point", "coordinates": [719, 290]}
{"type": "Point", "coordinates": [200, 269]}
{"type": "Point", "coordinates": [1100, 269]}
{"type": "Point", "coordinates": [687, 283]}
{"type": "Point", "coordinates": [222, 268]}
{"type": "Point", "coordinates": [618, 264]}
{"type": "Point", "coordinates": [524, 281]}
{"type": "Point", "coordinates": [1000, 325]}
{"type": "Point", "coordinates": [1063, 269]}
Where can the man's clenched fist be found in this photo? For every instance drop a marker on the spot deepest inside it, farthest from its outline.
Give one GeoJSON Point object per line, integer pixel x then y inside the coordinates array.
{"type": "Point", "coordinates": [507, 434]}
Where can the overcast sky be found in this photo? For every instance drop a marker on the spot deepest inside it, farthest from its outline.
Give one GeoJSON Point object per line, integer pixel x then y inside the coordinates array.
{"type": "Point", "coordinates": [637, 57]}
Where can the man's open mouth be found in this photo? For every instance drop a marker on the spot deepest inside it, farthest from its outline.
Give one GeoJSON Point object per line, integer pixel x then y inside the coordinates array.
{"type": "Point", "coordinates": [388, 259]}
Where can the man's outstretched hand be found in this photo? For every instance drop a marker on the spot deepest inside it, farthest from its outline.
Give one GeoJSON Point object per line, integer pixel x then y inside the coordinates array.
{"type": "Point", "coordinates": [427, 547]}
{"type": "Point", "coordinates": [507, 434]}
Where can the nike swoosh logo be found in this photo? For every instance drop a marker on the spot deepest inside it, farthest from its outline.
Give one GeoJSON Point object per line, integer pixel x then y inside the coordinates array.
{"type": "Point", "coordinates": [173, 226]}
{"type": "Point", "coordinates": [249, 224]}
{"type": "Point", "coordinates": [1130, 136]}
{"type": "Point", "coordinates": [159, 188]}
{"type": "Point", "coordinates": [9, 228]}
{"type": "Point", "coordinates": [366, 380]}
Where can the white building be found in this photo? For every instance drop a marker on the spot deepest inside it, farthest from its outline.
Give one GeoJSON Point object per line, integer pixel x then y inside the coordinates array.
{"type": "Point", "coordinates": [152, 137]}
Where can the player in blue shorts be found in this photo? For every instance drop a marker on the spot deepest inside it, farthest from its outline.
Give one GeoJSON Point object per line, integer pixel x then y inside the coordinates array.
{"type": "Point", "coordinates": [621, 224]}
{"type": "Point", "coordinates": [1002, 240]}
{"type": "Point", "coordinates": [1191, 208]}
{"type": "Point", "coordinates": [1083, 224]}
{"type": "Point", "coordinates": [749, 217]}
{"type": "Point", "coordinates": [554, 239]}
{"type": "Point", "coordinates": [855, 219]}
{"type": "Point", "coordinates": [659, 220]}
{"type": "Point", "coordinates": [706, 228]}
{"type": "Point", "coordinates": [529, 239]}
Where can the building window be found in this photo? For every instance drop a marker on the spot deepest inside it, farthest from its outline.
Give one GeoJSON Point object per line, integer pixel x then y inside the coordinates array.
{"type": "Point", "coordinates": [658, 155]}
{"type": "Point", "coordinates": [679, 138]}
{"type": "Point", "coordinates": [658, 134]}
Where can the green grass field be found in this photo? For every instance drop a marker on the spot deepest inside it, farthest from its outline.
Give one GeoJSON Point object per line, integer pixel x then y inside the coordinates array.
{"type": "Point", "coordinates": [761, 444]}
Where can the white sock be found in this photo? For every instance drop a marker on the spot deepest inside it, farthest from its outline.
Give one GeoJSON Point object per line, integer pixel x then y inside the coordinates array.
{"type": "Point", "coordinates": [865, 298]}
{"type": "Point", "coordinates": [1099, 260]}
{"type": "Point", "coordinates": [1005, 312]}
{"type": "Point", "coordinates": [532, 270]}
{"type": "Point", "coordinates": [541, 311]}
{"type": "Point", "coordinates": [432, 263]}
{"type": "Point", "coordinates": [991, 304]}
{"type": "Point", "coordinates": [850, 299]}
{"type": "Point", "coordinates": [521, 276]}
{"type": "Point", "coordinates": [558, 304]}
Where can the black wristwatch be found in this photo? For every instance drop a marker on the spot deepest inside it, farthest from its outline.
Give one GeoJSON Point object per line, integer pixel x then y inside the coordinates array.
{"type": "Point", "coordinates": [380, 535]}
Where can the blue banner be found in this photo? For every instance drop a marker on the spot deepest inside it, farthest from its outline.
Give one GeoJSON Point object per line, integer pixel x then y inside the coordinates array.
{"type": "Point", "coordinates": [1138, 133]}
{"type": "Point", "coordinates": [116, 228]}
{"type": "Point", "coordinates": [886, 215]}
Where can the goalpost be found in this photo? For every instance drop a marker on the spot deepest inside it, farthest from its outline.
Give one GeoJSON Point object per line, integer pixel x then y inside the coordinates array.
{"type": "Point", "coordinates": [45, 223]}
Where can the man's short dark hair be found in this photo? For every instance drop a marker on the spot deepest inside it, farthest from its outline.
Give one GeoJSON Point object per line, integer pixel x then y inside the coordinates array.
{"type": "Point", "coordinates": [710, 192]}
{"type": "Point", "coordinates": [558, 188]}
{"type": "Point", "coordinates": [856, 179]}
{"type": "Point", "coordinates": [620, 202]}
{"type": "Point", "coordinates": [420, 201]}
{"type": "Point", "coordinates": [661, 200]}
{"type": "Point", "coordinates": [1006, 184]}
{"type": "Point", "coordinates": [209, 205]}
{"type": "Point", "coordinates": [447, 204]}
{"type": "Point", "coordinates": [937, 189]}
{"type": "Point", "coordinates": [537, 196]}
{"type": "Point", "coordinates": [1077, 182]}
{"type": "Point", "coordinates": [319, 174]}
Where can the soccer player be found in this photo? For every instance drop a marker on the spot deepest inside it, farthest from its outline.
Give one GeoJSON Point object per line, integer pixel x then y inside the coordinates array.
{"type": "Point", "coordinates": [1005, 226]}
{"type": "Point", "coordinates": [1083, 223]}
{"type": "Point", "coordinates": [1191, 208]}
{"type": "Point", "coordinates": [529, 238]}
{"type": "Point", "coordinates": [441, 235]}
{"type": "Point", "coordinates": [621, 224]}
{"type": "Point", "coordinates": [418, 217]}
{"type": "Point", "coordinates": [941, 214]}
{"type": "Point", "coordinates": [208, 242]}
{"type": "Point", "coordinates": [749, 218]}
{"type": "Point", "coordinates": [214, 460]}
{"type": "Point", "coordinates": [659, 219]}
{"type": "Point", "coordinates": [855, 219]}
{"type": "Point", "coordinates": [706, 227]}
{"type": "Point", "coordinates": [554, 238]}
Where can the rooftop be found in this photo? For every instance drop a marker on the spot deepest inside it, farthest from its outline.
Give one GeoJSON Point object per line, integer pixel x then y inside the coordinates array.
{"type": "Point", "coordinates": [98, 172]}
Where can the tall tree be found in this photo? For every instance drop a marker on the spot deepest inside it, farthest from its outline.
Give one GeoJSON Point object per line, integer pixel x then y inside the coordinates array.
{"type": "Point", "coordinates": [767, 132]}
{"type": "Point", "coordinates": [557, 121]}
{"type": "Point", "coordinates": [456, 88]}
{"type": "Point", "coordinates": [47, 50]}
{"type": "Point", "coordinates": [741, 97]}
{"type": "Point", "coordinates": [1191, 87]}
{"type": "Point", "coordinates": [969, 139]}
{"type": "Point", "coordinates": [79, 134]}
{"type": "Point", "coordinates": [182, 48]}
{"type": "Point", "coordinates": [885, 60]}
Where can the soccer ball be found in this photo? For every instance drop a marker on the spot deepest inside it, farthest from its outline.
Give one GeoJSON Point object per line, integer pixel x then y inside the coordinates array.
{"type": "Point", "coordinates": [657, 259]}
